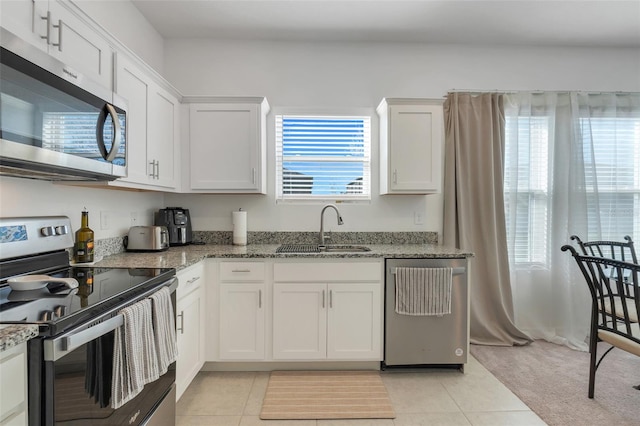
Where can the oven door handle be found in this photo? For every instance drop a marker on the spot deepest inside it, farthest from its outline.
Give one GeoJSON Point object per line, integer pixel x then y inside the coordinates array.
{"type": "Point", "coordinates": [73, 341]}
{"type": "Point", "coordinates": [56, 348]}
{"type": "Point", "coordinates": [65, 344]}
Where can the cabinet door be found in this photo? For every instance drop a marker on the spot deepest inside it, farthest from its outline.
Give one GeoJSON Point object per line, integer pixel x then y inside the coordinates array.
{"type": "Point", "coordinates": [76, 44]}
{"type": "Point", "coordinates": [242, 321]}
{"type": "Point", "coordinates": [162, 134]}
{"type": "Point", "coordinates": [190, 345]}
{"type": "Point", "coordinates": [415, 147]}
{"type": "Point", "coordinates": [299, 321]}
{"type": "Point", "coordinates": [133, 85]}
{"type": "Point", "coordinates": [26, 19]}
{"type": "Point", "coordinates": [225, 147]}
{"type": "Point", "coordinates": [354, 321]}
{"type": "Point", "coordinates": [13, 385]}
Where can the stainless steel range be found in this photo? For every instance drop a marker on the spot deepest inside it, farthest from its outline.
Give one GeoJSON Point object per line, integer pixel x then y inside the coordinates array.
{"type": "Point", "coordinates": [77, 310]}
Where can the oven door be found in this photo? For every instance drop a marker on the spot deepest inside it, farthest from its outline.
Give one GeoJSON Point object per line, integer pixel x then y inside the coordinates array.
{"type": "Point", "coordinates": [77, 373]}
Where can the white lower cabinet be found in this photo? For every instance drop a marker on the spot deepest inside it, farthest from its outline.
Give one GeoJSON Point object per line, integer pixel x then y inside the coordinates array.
{"type": "Point", "coordinates": [189, 326]}
{"type": "Point", "coordinates": [327, 311]}
{"type": "Point", "coordinates": [242, 296]}
{"type": "Point", "coordinates": [242, 321]}
{"type": "Point", "coordinates": [13, 385]}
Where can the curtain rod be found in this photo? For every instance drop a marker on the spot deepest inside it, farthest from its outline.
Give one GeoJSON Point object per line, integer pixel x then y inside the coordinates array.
{"type": "Point", "coordinates": [536, 91]}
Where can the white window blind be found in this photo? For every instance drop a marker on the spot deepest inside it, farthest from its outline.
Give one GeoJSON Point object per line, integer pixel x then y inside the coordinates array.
{"type": "Point", "coordinates": [529, 136]}
{"type": "Point", "coordinates": [612, 177]}
{"type": "Point", "coordinates": [613, 184]}
{"type": "Point", "coordinates": [323, 157]}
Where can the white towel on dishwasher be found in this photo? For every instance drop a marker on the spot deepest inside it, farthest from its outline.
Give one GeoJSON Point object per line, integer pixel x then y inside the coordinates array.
{"type": "Point", "coordinates": [135, 360]}
{"type": "Point", "coordinates": [164, 328]}
{"type": "Point", "coordinates": [423, 291]}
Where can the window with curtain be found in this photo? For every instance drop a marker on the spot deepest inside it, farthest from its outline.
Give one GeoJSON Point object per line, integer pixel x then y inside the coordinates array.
{"type": "Point", "coordinates": [611, 154]}
{"type": "Point", "coordinates": [325, 158]}
{"type": "Point", "coordinates": [529, 138]}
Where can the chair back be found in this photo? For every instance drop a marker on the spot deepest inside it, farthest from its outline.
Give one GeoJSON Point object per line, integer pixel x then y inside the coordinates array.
{"type": "Point", "coordinates": [619, 250]}
{"type": "Point", "coordinates": [616, 285]}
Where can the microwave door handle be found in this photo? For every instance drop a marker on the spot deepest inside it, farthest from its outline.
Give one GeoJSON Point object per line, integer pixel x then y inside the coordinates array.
{"type": "Point", "coordinates": [102, 118]}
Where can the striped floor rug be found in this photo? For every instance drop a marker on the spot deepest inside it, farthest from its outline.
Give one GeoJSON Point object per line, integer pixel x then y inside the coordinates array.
{"type": "Point", "coordinates": [304, 395]}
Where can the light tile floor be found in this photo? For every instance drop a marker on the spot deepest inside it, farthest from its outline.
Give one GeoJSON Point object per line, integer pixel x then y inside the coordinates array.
{"type": "Point", "coordinates": [433, 397]}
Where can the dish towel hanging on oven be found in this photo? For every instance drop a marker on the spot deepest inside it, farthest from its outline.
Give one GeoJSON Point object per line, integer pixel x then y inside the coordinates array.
{"type": "Point", "coordinates": [164, 329]}
{"type": "Point", "coordinates": [423, 291]}
{"type": "Point", "coordinates": [135, 359]}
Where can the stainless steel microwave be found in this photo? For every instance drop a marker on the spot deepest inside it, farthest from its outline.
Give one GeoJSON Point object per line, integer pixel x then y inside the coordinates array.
{"type": "Point", "coordinates": [53, 128]}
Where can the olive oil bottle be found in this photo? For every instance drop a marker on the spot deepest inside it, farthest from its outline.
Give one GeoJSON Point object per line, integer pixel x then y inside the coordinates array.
{"type": "Point", "coordinates": [83, 248]}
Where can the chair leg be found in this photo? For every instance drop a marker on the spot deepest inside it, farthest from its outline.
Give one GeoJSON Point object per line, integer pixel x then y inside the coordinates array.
{"type": "Point", "coordinates": [592, 371]}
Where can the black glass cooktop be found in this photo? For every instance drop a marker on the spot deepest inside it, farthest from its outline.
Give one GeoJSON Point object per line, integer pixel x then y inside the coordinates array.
{"type": "Point", "coordinates": [57, 307]}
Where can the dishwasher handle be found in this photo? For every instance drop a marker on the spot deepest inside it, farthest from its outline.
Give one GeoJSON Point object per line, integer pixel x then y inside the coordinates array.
{"type": "Point", "coordinates": [455, 271]}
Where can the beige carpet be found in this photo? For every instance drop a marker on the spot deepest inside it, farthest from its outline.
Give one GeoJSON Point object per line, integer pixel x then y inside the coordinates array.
{"type": "Point", "coordinates": [553, 380]}
{"type": "Point", "coordinates": [304, 395]}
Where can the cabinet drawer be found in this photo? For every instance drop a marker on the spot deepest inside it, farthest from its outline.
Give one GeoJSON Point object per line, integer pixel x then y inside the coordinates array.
{"type": "Point", "coordinates": [242, 271]}
{"type": "Point", "coordinates": [327, 271]}
{"type": "Point", "coordinates": [190, 279]}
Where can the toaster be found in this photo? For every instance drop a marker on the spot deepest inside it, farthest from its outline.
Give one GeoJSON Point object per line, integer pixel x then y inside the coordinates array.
{"type": "Point", "coordinates": [147, 238]}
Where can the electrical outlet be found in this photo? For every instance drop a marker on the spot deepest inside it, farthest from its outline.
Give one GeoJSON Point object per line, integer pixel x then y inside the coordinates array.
{"type": "Point", "coordinates": [417, 218]}
{"type": "Point", "coordinates": [134, 218]}
{"type": "Point", "coordinates": [104, 220]}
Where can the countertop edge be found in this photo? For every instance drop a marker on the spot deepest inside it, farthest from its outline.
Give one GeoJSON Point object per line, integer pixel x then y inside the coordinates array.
{"type": "Point", "coordinates": [14, 334]}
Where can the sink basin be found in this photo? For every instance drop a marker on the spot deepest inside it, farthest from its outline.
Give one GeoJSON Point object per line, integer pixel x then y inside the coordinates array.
{"type": "Point", "coordinates": [315, 248]}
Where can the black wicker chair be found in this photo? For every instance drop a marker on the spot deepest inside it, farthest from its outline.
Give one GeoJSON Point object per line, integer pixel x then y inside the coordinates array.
{"type": "Point", "coordinates": [618, 250]}
{"type": "Point", "coordinates": [616, 284]}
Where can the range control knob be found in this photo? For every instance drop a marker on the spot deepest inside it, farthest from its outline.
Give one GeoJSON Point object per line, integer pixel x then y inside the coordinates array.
{"type": "Point", "coordinates": [47, 231]}
{"type": "Point", "coordinates": [61, 230]}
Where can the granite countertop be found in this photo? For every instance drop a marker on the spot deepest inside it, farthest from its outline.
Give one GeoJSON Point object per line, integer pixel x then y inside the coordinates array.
{"type": "Point", "coordinates": [182, 257]}
{"type": "Point", "coordinates": [13, 335]}
{"type": "Point", "coordinates": [185, 256]}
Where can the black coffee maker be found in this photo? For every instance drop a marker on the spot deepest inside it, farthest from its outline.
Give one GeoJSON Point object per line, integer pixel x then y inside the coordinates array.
{"type": "Point", "coordinates": [178, 223]}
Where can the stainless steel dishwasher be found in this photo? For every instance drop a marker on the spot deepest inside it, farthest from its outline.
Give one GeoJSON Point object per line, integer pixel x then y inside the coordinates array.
{"type": "Point", "coordinates": [427, 341]}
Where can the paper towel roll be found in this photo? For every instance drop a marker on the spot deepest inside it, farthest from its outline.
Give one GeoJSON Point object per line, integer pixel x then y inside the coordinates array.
{"type": "Point", "coordinates": [239, 219]}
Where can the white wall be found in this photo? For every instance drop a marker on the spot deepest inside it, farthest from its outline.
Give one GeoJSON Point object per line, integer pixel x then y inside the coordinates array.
{"type": "Point", "coordinates": [359, 75]}
{"type": "Point", "coordinates": [26, 197]}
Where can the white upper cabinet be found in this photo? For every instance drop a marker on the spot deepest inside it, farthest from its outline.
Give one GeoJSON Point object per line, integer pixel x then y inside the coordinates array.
{"type": "Point", "coordinates": [227, 146]}
{"type": "Point", "coordinates": [56, 27]}
{"type": "Point", "coordinates": [152, 129]}
{"type": "Point", "coordinates": [411, 140]}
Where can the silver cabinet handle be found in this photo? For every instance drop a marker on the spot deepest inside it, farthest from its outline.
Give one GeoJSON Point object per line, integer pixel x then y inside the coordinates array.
{"type": "Point", "coordinates": [158, 169]}
{"type": "Point", "coordinates": [47, 36]}
{"type": "Point", "coordinates": [259, 299]}
{"type": "Point", "coordinates": [323, 291]}
{"type": "Point", "coordinates": [193, 280]}
{"type": "Point", "coordinates": [330, 298]}
{"type": "Point", "coordinates": [241, 270]}
{"type": "Point", "coordinates": [152, 163]}
{"type": "Point", "coordinates": [59, 43]}
{"type": "Point", "coordinates": [395, 176]}
{"type": "Point", "coordinates": [181, 328]}
{"type": "Point", "coordinates": [253, 175]}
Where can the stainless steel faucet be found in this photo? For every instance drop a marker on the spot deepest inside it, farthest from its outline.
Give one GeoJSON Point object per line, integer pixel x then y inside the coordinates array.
{"type": "Point", "coordinates": [340, 222]}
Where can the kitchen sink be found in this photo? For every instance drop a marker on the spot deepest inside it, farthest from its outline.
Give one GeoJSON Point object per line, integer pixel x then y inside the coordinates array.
{"type": "Point", "coordinates": [317, 248]}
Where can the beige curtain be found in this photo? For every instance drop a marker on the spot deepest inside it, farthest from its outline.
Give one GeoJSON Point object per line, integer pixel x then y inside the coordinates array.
{"type": "Point", "coordinates": [474, 217]}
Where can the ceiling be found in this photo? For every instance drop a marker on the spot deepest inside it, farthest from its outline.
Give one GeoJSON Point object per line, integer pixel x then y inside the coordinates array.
{"type": "Point", "coordinates": [606, 23]}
